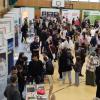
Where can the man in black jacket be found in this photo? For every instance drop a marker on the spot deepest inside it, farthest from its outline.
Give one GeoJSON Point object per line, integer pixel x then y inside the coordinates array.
{"type": "Point", "coordinates": [34, 47]}
{"type": "Point", "coordinates": [11, 92]}
{"type": "Point", "coordinates": [35, 70]}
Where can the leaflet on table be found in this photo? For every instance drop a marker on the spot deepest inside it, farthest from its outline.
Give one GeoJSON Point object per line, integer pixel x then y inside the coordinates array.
{"type": "Point", "coordinates": [8, 24]}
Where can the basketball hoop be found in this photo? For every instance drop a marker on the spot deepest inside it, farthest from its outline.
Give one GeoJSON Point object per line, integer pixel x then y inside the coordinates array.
{"type": "Point", "coordinates": [58, 4]}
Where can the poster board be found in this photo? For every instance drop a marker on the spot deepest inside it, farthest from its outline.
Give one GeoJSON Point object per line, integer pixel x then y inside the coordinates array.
{"type": "Point", "coordinates": [49, 12]}
{"type": "Point", "coordinates": [70, 14]}
{"type": "Point", "coordinates": [28, 12]}
{"type": "Point", "coordinates": [90, 14]}
{"type": "Point", "coordinates": [9, 25]}
{"type": "Point", "coordinates": [3, 64]}
{"type": "Point", "coordinates": [15, 17]}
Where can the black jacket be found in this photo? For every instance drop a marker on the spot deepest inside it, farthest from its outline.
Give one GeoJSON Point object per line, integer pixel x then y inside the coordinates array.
{"type": "Point", "coordinates": [66, 61]}
{"type": "Point", "coordinates": [33, 46]}
{"type": "Point", "coordinates": [35, 68]}
{"type": "Point", "coordinates": [12, 93]}
{"type": "Point", "coordinates": [49, 68]}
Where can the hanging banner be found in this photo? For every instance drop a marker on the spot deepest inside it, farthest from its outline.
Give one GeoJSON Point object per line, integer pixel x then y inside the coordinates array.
{"type": "Point", "coordinates": [3, 63]}
{"type": "Point", "coordinates": [70, 14]}
{"type": "Point", "coordinates": [10, 54]}
{"type": "Point", "coordinates": [91, 15]}
{"type": "Point", "coordinates": [46, 12]}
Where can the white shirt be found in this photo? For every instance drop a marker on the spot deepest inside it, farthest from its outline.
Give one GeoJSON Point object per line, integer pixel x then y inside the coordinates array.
{"type": "Point", "coordinates": [92, 32]}
{"type": "Point", "coordinates": [68, 45]}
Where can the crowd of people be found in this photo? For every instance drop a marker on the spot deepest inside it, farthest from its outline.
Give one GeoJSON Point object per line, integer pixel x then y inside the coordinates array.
{"type": "Point", "coordinates": [58, 41]}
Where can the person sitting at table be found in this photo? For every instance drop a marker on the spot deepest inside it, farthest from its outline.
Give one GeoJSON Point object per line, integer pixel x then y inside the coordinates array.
{"type": "Point", "coordinates": [36, 70]}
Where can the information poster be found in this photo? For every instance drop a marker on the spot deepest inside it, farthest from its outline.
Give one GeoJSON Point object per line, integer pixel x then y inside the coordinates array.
{"type": "Point", "coordinates": [70, 14]}
{"type": "Point", "coordinates": [14, 16]}
{"type": "Point", "coordinates": [10, 54]}
{"type": "Point", "coordinates": [3, 63]}
{"type": "Point", "coordinates": [92, 15]}
{"type": "Point", "coordinates": [1, 38]}
{"type": "Point", "coordinates": [3, 74]}
{"type": "Point", "coordinates": [8, 24]}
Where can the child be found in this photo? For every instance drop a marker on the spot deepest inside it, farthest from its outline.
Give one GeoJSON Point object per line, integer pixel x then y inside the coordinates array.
{"type": "Point", "coordinates": [77, 69]}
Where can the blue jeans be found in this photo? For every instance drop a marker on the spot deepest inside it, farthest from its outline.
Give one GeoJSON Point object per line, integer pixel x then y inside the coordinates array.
{"type": "Point", "coordinates": [77, 78]}
{"type": "Point", "coordinates": [69, 76]}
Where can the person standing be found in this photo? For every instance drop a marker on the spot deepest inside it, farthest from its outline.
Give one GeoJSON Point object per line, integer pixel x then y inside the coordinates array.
{"type": "Point", "coordinates": [66, 63]}
{"type": "Point", "coordinates": [11, 92]}
{"type": "Point", "coordinates": [24, 31]}
{"type": "Point", "coordinates": [36, 70]}
{"type": "Point", "coordinates": [77, 68]}
{"type": "Point", "coordinates": [34, 46]}
{"type": "Point", "coordinates": [97, 72]}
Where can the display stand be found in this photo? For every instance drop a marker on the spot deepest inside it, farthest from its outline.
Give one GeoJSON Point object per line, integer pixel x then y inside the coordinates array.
{"type": "Point", "coordinates": [16, 25]}
{"type": "Point", "coordinates": [8, 24]}
{"type": "Point", "coordinates": [3, 62]}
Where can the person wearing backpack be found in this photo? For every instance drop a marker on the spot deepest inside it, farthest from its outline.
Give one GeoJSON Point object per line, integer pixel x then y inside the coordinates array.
{"type": "Point", "coordinates": [49, 68]}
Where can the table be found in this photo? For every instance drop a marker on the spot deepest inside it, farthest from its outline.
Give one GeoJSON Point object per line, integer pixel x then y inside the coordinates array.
{"type": "Point", "coordinates": [31, 92]}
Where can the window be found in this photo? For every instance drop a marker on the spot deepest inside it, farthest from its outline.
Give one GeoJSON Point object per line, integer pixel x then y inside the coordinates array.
{"type": "Point", "coordinates": [84, 0]}
{"type": "Point", "coordinates": [74, 0]}
{"type": "Point", "coordinates": [94, 0]}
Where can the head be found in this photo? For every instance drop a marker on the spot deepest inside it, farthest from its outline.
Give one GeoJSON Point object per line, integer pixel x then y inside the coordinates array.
{"type": "Point", "coordinates": [14, 70]}
{"type": "Point", "coordinates": [45, 57]}
{"type": "Point", "coordinates": [13, 79]}
{"type": "Point", "coordinates": [36, 39]}
{"type": "Point", "coordinates": [78, 58]}
{"type": "Point", "coordinates": [21, 55]}
{"type": "Point", "coordinates": [98, 50]}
